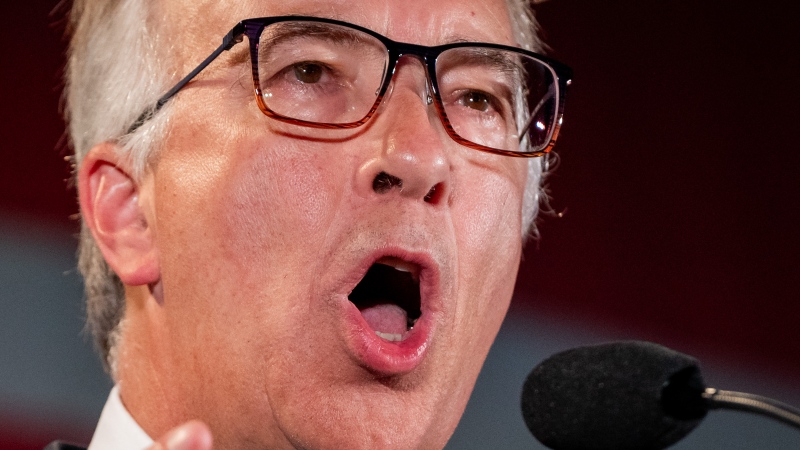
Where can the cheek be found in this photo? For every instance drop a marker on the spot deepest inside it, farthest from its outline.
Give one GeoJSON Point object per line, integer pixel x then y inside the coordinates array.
{"type": "Point", "coordinates": [250, 217]}
{"type": "Point", "coordinates": [489, 233]}
{"type": "Point", "coordinates": [488, 222]}
{"type": "Point", "coordinates": [275, 198]}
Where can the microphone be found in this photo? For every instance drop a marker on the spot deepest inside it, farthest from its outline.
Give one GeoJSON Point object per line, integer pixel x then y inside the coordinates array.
{"type": "Point", "coordinates": [627, 395]}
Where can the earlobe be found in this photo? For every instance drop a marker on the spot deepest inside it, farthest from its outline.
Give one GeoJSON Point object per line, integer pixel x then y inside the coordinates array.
{"type": "Point", "coordinates": [112, 208]}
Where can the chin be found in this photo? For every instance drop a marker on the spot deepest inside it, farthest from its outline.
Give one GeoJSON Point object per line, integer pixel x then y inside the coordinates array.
{"type": "Point", "coordinates": [388, 413]}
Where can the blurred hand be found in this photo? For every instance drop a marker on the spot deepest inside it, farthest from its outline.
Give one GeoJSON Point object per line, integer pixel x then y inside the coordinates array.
{"type": "Point", "coordinates": [192, 435]}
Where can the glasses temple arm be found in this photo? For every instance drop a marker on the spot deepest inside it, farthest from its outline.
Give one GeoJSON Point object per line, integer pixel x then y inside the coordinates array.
{"type": "Point", "coordinates": [235, 36]}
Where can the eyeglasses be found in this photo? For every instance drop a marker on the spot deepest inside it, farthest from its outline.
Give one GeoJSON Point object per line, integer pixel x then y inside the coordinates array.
{"type": "Point", "coordinates": [324, 73]}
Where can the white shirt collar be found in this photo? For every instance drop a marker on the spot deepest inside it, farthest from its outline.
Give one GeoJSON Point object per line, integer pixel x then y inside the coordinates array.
{"type": "Point", "coordinates": [116, 429]}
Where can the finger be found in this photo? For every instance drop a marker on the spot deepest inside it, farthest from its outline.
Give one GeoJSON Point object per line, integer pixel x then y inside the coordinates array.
{"type": "Point", "coordinates": [192, 435]}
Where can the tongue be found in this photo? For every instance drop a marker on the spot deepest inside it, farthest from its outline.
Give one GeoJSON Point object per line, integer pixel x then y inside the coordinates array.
{"type": "Point", "coordinates": [386, 318]}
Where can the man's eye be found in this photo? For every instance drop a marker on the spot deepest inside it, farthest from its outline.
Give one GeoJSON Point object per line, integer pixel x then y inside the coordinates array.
{"type": "Point", "coordinates": [308, 72]}
{"type": "Point", "coordinates": [477, 101]}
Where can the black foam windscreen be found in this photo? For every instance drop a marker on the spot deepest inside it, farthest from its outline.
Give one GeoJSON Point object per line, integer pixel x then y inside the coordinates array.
{"type": "Point", "coordinates": [609, 397]}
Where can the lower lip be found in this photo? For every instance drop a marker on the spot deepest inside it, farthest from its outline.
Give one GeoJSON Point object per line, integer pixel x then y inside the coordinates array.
{"type": "Point", "coordinates": [386, 357]}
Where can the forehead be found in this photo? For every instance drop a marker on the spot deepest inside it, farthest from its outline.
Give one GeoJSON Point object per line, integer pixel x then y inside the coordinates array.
{"type": "Point", "coordinates": [424, 22]}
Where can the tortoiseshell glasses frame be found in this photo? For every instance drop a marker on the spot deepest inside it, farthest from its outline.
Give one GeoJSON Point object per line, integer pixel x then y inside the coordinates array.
{"type": "Point", "coordinates": [535, 86]}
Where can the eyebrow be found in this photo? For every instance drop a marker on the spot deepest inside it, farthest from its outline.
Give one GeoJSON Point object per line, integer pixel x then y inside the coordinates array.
{"type": "Point", "coordinates": [454, 38]}
{"type": "Point", "coordinates": [487, 57]}
{"type": "Point", "coordinates": [292, 30]}
{"type": "Point", "coordinates": [459, 39]}
{"type": "Point", "coordinates": [238, 55]}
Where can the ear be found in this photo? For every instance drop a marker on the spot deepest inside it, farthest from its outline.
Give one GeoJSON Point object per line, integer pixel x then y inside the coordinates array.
{"type": "Point", "coordinates": [117, 216]}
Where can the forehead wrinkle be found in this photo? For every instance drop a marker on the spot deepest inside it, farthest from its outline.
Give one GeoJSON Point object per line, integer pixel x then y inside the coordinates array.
{"type": "Point", "coordinates": [488, 24]}
{"type": "Point", "coordinates": [422, 28]}
{"type": "Point", "coordinates": [504, 20]}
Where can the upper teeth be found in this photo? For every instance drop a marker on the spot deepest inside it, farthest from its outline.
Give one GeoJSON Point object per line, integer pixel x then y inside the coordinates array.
{"type": "Point", "coordinates": [400, 265]}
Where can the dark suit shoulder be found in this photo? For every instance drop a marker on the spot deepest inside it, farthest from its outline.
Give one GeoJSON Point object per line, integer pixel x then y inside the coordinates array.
{"type": "Point", "coordinates": [58, 445]}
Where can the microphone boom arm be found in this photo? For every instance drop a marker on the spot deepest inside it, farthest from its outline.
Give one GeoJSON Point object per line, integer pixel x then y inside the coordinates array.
{"type": "Point", "coordinates": [757, 404]}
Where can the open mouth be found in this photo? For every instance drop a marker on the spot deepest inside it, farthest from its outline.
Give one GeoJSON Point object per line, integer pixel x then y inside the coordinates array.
{"type": "Point", "coordinates": [388, 297]}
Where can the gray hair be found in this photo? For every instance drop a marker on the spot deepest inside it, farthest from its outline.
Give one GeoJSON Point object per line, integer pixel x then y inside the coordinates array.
{"type": "Point", "coordinates": [116, 70]}
{"type": "Point", "coordinates": [113, 73]}
{"type": "Point", "coordinates": [526, 34]}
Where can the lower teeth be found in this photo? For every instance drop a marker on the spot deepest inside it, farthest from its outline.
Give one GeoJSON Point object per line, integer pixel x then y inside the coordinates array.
{"type": "Point", "coordinates": [390, 336]}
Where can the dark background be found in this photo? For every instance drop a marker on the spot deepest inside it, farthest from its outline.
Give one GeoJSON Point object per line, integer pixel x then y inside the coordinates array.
{"type": "Point", "coordinates": [678, 180]}
{"type": "Point", "coordinates": [679, 176]}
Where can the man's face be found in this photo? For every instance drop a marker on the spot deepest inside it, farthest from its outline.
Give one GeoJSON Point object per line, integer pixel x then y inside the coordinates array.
{"type": "Point", "coordinates": [264, 229]}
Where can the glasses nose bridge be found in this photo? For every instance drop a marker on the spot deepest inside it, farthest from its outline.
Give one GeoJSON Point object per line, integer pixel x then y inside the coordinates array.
{"type": "Point", "coordinates": [405, 52]}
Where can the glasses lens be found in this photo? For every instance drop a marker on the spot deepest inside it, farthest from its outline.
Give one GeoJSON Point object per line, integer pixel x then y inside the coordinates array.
{"type": "Point", "coordinates": [498, 98]}
{"type": "Point", "coordinates": [318, 72]}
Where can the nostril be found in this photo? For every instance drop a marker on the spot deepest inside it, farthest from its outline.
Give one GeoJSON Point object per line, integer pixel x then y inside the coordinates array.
{"type": "Point", "coordinates": [384, 183]}
{"type": "Point", "coordinates": [434, 194]}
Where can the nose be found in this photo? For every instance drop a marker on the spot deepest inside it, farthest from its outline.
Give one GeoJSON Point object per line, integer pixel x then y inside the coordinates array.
{"type": "Point", "coordinates": [409, 159]}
